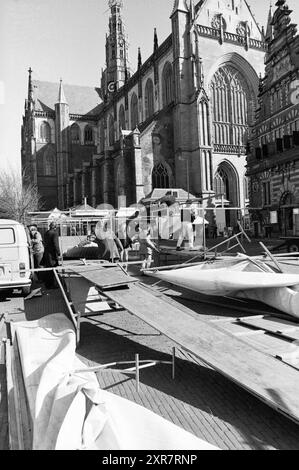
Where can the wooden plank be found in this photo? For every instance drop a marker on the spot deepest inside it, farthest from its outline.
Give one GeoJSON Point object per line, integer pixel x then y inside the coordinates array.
{"type": "Point", "coordinates": [273, 325]}
{"type": "Point", "coordinates": [22, 406]}
{"type": "Point", "coordinates": [105, 278]}
{"type": "Point", "coordinates": [237, 329]}
{"type": "Point", "coordinates": [19, 426]}
{"type": "Point", "coordinates": [289, 362]}
{"type": "Point", "coordinates": [3, 405]}
{"type": "Point", "coordinates": [265, 377]}
{"type": "Point", "coordinates": [278, 347]}
{"type": "Point", "coordinates": [256, 338]}
{"type": "Point", "coordinates": [12, 419]}
{"type": "Point", "coordinates": [271, 345]}
{"type": "Point", "coordinates": [231, 319]}
{"type": "Point", "coordinates": [292, 359]}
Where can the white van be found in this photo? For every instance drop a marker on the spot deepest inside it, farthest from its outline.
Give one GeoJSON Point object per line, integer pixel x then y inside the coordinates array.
{"type": "Point", "coordinates": [14, 257]}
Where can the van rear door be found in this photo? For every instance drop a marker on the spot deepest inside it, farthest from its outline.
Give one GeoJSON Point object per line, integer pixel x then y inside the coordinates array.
{"type": "Point", "coordinates": [9, 252]}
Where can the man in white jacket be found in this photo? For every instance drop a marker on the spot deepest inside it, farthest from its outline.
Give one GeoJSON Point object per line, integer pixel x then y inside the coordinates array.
{"type": "Point", "coordinates": [186, 231]}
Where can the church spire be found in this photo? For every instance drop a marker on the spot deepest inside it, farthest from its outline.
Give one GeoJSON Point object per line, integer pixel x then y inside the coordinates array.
{"type": "Point", "coordinates": [117, 71]}
{"type": "Point", "coordinates": [30, 99]}
{"type": "Point", "coordinates": [30, 85]}
{"type": "Point", "coordinates": [269, 30]}
{"type": "Point", "coordinates": [156, 45]}
{"type": "Point", "coordinates": [61, 96]}
{"type": "Point", "coordinates": [139, 58]}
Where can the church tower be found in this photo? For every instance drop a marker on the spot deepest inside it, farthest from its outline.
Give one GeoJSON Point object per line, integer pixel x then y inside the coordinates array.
{"type": "Point", "coordinates": [117, 71]}
{"type": "Point", "coordinates": [28, 137]}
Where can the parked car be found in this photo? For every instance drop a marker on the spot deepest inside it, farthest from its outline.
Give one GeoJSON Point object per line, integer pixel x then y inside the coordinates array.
{"type": "Point", "coordinates": [15, 257]}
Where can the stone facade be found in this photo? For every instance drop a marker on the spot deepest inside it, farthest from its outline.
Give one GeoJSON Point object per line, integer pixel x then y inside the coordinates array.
{"type": "Point", "coordinates": [273, 161]}
{"type": "Point", "coordinates": [182, 120]}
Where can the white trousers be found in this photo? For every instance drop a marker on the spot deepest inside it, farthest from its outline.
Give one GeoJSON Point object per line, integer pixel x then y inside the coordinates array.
{"type": "Point", "coordinates": [186, 232]}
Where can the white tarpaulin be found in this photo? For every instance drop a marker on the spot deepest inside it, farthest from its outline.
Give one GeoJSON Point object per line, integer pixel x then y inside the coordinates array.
{"type": "Point", "coordinates": [242, 279]}
{"type": "Point", "coordinates": [69, 410]}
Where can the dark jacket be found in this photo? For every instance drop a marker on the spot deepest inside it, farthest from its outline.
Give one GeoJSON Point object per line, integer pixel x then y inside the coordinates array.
{"type": "Point", "coordinates": [52, 250]}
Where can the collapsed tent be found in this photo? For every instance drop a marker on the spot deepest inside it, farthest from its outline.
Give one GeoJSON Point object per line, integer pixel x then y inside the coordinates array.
{"type": "Point", "coordinates": [68, 410]}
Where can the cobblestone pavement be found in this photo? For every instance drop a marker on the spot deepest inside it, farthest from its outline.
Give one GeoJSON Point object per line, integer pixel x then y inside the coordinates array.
{"type": "Point", "coordinates": [199, 399]}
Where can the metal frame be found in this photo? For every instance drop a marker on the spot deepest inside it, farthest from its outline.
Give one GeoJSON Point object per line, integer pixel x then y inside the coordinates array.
{"type": "Point", "coordinates": [139, 365]}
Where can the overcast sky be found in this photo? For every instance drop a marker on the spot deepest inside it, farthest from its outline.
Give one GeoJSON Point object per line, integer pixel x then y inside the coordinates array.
{"type": "Point", "coordinates": [66, 39]}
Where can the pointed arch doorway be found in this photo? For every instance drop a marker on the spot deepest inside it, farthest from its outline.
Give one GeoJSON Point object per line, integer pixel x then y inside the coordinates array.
{"type": "Point", "coordinates": [226, 187]}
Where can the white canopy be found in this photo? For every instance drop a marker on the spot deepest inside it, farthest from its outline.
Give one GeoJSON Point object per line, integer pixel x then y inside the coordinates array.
{"type": "Point", "coordinates": [56, 214]}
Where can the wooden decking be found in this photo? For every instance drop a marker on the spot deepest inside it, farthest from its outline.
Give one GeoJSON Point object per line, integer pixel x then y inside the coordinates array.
{"type": "Point", "coordinates": [247, 365]}
{"type": "Point", "coordinates": [105, 277]}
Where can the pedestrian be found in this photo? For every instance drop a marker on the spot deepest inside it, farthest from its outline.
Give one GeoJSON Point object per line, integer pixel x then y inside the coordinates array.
{"type": "Point", "coordinates": [89, 242]}
{"type": "Point", "coordinates": [147, 247]}
{"type": "Point", "coordinates": [51, 255]}
{"type": "Point", "coordinates": [37, 247]}
{"type": "Point", "coordinates": [109, 244]}
{"type": "Point", "coordinates": [186, 229]}
{"type": "Point", "coordinates": [126, 241]}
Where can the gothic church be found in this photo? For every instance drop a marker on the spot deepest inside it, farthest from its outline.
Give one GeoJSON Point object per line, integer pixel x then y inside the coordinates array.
{"type": "Point", "coordinates": [181, 120]}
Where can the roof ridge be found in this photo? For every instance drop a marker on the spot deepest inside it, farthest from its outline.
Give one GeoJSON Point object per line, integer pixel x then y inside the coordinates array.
{"type": "Point", "coordinates": [67, 84]}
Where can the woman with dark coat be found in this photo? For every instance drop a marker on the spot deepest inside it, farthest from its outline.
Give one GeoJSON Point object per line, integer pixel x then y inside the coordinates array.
{"type": "Point", "coordinates": [51, 255]}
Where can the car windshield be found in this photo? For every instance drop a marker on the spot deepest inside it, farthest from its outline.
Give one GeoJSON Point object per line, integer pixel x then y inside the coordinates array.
{"type": "Point", "coordinates": [7, 236]}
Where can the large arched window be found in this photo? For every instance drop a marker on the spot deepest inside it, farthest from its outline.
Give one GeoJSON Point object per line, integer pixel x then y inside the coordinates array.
{"type": "Point", "coordinates": [167, 85]}
{"type": "Point", "coordinates": [204, 123]}
{"type": "Point", "coordinates": [121, 118]}
{"type": "Point", "coordinates": [88, 135]}
{"type": "Point", "coordinates": [75, 134]}
{"type": "Point", "coordinates": [221, 184]}
{"type": "Point", "coordinates": [45, 132]}
{"type": "Point", "coordinates": [111, 131]}
{"type": "Point", "coordinates": [231, 106]}
{"type": "Point", "coordinates": [134, 111]}
{"type": "Point", "coordinates": [149, 99]}
{"type": "Point", "coordinates": [160, 177]}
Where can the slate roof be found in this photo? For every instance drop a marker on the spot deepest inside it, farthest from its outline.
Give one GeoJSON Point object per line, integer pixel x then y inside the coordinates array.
{"type": "Point", "coordinates": [82, 100]}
